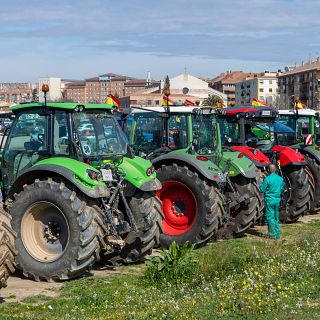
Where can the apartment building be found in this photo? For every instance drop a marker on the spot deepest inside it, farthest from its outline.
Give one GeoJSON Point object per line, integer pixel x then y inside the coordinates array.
{"type": "Point", "coordinates": [96, 89]}
{"type": "Point", "coordinates": [16, 92]}
{"type": "Point", "coordinates": [263, 87]}
{"type": "Point", "coordinates": [302, 82]}
{"type": "Point", "coordinates": [226, 83]}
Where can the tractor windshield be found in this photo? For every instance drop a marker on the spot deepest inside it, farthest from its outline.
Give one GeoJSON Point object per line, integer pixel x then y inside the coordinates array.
{"type": "Point", "coordinates": [204, 128]}
{"type": "Point", "coordinates": [300, 126]}
{"type": "Point", "coordinates": [229, 131]}
{"type": "Point", "coordinates": [99, 134]}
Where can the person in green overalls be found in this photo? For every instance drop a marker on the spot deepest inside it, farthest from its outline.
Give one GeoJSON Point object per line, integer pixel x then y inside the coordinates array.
{"type": "Point", "coordinates": [272, 187]}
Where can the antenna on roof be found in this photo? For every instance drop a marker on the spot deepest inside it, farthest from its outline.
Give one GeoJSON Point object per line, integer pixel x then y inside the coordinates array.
{"type": "Point", "coordinates": [148, 78]}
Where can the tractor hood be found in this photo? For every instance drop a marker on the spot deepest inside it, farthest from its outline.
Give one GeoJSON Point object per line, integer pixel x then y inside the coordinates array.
{"type": "Point", "coordinates": [136, 173]}
{"type": "Point", "coordinates": [240, 164]}
{"type": "Point", "coordinates": [255, 155]}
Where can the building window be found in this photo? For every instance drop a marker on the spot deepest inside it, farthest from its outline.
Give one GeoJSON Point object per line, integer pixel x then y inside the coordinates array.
{"type": "Point", "coordinates": [261, 90]}
{"type": "Point", "coordinates": [270, 89]}
{"type": "Point", "coordinates": [157, 102]}
{"type": "Point", "coordinates": [270, 81]}
{"type": "Point", "coordinates": [133, 102]}
{"type": "Point", "coordinates": [149, 102]}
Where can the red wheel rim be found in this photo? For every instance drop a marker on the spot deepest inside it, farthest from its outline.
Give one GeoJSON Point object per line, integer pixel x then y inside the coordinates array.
{"type": "Point", "coordinates": [179, 207]}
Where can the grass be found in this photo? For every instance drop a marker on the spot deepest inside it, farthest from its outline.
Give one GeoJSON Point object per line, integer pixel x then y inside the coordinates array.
{"type": "Point", "coordinates": [245, 278]}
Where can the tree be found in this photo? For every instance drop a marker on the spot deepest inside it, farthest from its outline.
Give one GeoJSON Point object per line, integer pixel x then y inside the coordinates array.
{"type": "Point", "coordinates": [166, 85]}
{"type": "Point", "coordinates": [213, 101]}
{"type": "Point", "coordinates": [35, 97]}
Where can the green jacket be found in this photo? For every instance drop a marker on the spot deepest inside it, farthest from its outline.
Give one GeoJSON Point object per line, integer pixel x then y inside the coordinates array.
{"type": "Point", "coordinates": [272, 187]}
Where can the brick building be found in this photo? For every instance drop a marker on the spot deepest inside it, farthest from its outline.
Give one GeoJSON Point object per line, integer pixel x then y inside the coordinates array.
{"type": "Point", "coordinates": [96, 89]}
{"type": "Point", "coordinates": [16, 92]}
{"type": "Point", "coordinates": [226, 82]}
{"type": "Point", "coordinates": [302, 82]}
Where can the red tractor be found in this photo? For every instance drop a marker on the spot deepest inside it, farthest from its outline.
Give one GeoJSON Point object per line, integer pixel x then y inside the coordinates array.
{"type": "Point", "coordinates": [251, 130]}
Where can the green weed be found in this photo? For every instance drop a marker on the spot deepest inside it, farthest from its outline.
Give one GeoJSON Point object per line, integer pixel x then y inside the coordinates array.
{"type": "Point", "coordinates": [173, 266]}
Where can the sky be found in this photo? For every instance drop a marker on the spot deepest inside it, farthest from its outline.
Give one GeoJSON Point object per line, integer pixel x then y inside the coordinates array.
{"type": "Point", "coordinates": [77, 39]}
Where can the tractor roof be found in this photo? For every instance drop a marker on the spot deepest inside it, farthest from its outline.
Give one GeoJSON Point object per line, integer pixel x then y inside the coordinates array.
{"type": "Point", "coordinates": [60, 105]}
{"type": "Point", "coordinates": [182, 109]}
{"type": "Point", "coordinates": [301, 112]}
{"type": "Point", "coordinates": [250, 112]}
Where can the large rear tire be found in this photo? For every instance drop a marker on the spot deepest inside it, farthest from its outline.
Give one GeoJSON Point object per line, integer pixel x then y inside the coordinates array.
{"type": "Point", "coordinates": [314, 169]}
{"type": "Point", "coordinates": [146, 209]}
{"type": "Point", "coordinates": [193, 209]}
{"type": "Point", "coordinates": [297, 198]}
{"type": "Point", "coordinates": [244, 215]}
{"type": "Point", "coordinates": [58, 234]}
{"type": "Point", "coordinates": [7, 249]}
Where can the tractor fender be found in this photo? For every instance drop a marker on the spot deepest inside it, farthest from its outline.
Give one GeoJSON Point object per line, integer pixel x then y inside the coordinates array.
{"type": "Point", "coordinates": [214, 175]}
{"type": "Point", "coordinates": [239, 164]}
{"type": "Point", "coordinates": [313, 153]}
{"type": "Point", "coordinates": [289, 156]}
{"type": "Point", "coordinates": [94, 189]}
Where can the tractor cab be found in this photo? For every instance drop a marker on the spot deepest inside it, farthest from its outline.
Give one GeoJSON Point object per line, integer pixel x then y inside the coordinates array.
{"type": "Point", "coordinates": [304, 123]}
{"type": "Point", "coordinates": [87, 133]}
{"type": "Point", "coordinates": [158, 132]}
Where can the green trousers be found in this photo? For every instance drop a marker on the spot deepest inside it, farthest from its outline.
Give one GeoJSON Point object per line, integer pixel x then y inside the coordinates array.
{"type": "Point", "coordinates": [272, 217]}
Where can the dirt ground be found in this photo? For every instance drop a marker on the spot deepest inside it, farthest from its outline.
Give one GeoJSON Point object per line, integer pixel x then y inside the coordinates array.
{"type": "Point", "coordinates": [20, 288]}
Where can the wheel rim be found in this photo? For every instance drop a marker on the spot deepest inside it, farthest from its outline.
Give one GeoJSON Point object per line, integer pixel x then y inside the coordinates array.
{"type": "Point", "coordinates": [179, 207]}
{"type": "Point", "coordinates": [45, 231]}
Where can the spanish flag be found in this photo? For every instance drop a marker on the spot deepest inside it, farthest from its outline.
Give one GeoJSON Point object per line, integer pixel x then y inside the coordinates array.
{"type": "Point", "coordinates": [188, 103]}
{"type": "Point", "coordinates": [258, 103]}
{"type": "Point", "coordinates": [164, 101]}
{"type": "Point", "coordinates": [113, 101]}
{"type": "Point", "coordinates": [299, 104]}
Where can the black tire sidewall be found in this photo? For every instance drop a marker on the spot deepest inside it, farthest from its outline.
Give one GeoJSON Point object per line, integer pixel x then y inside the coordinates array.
{"type": "Point", "coordinates": [24, 259]}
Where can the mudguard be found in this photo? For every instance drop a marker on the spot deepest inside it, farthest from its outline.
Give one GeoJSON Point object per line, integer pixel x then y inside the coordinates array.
{"type": "Point", "coordinates": [255, 155]}
{"type": "Point", "coordinates": [207, 168]}
{"type": "Point", "coordinates": [136, 173]}
{"type": "Point", "coordinates": [289, 156]}
{"type": "Point", "coordinates": [70, 169]}
{"type": "Point", "coordinates": [312, 151]}
{"type": "Point", "coordinates": [240, 164]}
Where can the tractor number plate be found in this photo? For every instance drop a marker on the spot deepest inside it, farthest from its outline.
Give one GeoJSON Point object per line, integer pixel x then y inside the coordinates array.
{"type": "Point", "coordinates": [266, 113]}
{"type": "Point", "coordinates": [106, 175]}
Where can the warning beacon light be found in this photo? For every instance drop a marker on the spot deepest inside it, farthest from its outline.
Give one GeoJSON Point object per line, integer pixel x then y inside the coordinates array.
{"type": "Point", "coordinates": [45, 88]}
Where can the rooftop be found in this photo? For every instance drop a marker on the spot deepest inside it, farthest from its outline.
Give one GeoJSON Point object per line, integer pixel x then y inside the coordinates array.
{"type": "Point", "coordinates": [308, 66]}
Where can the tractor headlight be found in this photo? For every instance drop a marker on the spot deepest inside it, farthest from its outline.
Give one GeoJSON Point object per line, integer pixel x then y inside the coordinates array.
{"type": "Point", "coordinates": [150, 171]}
{"type": "Point", "coordinates": [94, 175]}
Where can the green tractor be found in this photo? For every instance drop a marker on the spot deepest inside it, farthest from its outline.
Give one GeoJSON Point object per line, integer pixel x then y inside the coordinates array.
{"type": "Point", "coordinates": [74, 190]}
{"type": "Point", "coordinates": [300, 130]}
{"type": "Point", "coordinates": [203, 187]}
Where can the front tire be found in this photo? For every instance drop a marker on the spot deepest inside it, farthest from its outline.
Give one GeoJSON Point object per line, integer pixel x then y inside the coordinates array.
{"type": "Point", "coordinates": [297, 197]}
{"type": "Point", "coordinates": [314, 168]}
{"type": "Point", "coordinates": [7, 249]}
{"type": "Point", "coordinates": [146, 209]}
{"type": "Point", "coordinates": [193, 210]}
{"type": "Point", "coordinates": [57, 233]}
{"type": "Point", "coordinates": [245, 214]}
